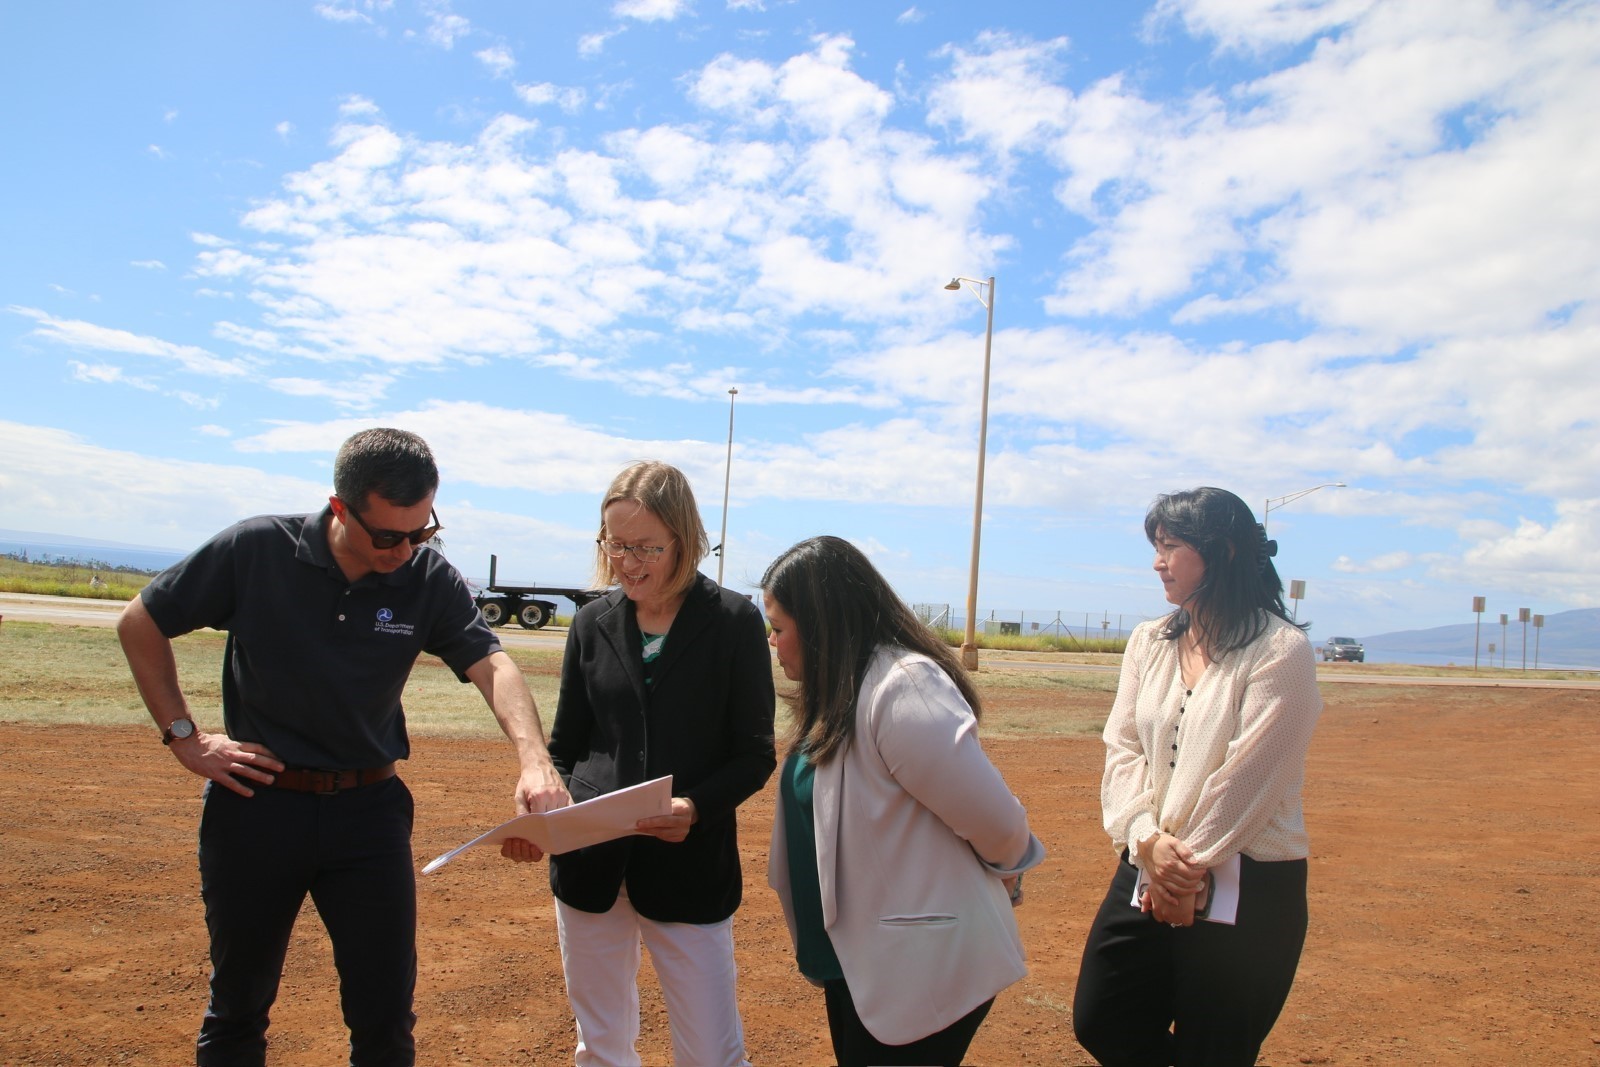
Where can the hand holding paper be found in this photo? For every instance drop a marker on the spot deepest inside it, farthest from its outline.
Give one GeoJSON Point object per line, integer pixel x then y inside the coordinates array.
{"type": "Point", "coordinates": [577, 826]}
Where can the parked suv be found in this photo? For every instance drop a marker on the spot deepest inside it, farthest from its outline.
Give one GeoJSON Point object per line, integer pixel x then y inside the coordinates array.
{"type": "Point", "coordinates": [1343, 648]}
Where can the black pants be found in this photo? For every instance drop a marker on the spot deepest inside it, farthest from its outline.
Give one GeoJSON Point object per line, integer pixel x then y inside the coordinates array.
{"type": "Point", "coordinates": [854, 1045]}
{"type": "Point", "coordinates": [1205, 995]}
{"type": "Point", "coordinates": [351, 851]}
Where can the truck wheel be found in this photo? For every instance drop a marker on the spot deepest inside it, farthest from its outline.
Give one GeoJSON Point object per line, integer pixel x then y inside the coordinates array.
{"type": "Point", "coordinates": [494, 612]}
{"type": "Point", "coordinates": [531, 616]}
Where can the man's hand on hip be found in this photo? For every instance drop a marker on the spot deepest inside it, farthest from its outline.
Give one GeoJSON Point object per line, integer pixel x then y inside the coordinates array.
{"type": "Point", "coordinates": [225, 761]}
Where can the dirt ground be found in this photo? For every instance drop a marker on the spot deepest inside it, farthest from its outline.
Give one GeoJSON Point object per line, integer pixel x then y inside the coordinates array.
{"type": "Point", "coordinates": [1454, 902]}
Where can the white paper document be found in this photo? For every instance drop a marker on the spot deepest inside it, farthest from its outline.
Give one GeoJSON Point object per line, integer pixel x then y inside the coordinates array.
{"type": "Point", "coordinates": [1224, 895]}
{"type": "Point", "coordinates": [604, 818]}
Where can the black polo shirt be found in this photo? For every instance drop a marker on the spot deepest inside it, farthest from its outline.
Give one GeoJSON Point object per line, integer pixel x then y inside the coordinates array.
{"type": "Point", "coordinates": [315, 665]}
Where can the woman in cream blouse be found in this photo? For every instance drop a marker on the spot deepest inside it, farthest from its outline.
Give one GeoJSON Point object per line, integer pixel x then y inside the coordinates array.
{"type": "Point", "coordinates": [1205, 756]}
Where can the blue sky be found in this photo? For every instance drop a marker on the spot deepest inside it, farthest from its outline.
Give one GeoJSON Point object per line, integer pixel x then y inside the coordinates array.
{"type": "Point", "coordinates": [1262, 244]}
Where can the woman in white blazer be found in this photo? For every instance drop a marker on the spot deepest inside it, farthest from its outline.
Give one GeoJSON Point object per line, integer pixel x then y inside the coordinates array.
{"type": "Point", "coordinates": [898, 850]}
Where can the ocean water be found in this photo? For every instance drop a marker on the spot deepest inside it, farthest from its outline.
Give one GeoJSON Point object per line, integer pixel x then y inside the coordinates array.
{"type": "Point", "coordinates": [1512, 662]}
{"type": "Point", "coordinates": [40, 548]}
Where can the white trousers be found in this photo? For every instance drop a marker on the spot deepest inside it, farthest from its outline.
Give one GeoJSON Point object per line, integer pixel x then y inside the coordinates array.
{"type": "Point", "coordinates": [600, 955]}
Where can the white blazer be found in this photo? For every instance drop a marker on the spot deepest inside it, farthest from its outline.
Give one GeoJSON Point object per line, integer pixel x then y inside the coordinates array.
{"type": "Point", "coordinates": [915, 829]}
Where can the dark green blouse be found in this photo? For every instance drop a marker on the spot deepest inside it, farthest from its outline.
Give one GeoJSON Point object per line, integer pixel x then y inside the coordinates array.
{"type": "Point", "coordinates": [813, 951]}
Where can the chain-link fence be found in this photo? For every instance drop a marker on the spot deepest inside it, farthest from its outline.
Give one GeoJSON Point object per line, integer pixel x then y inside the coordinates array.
{"type": "Point", "coordinates": [1097, 626]}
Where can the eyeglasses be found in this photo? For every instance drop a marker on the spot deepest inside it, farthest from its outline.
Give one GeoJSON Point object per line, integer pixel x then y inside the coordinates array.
{"type": "Point", "coordinates": [642, 553]}
{"type": "Point", "coordinates": [389, 538]}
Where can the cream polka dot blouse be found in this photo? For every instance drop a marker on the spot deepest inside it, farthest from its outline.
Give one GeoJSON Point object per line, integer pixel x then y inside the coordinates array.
{"type": "Point", "coordinates": [1219, 767]}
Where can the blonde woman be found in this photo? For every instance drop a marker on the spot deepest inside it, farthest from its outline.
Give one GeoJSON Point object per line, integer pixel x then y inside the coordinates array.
{"type": "Point", "coordinates": [667, 674]}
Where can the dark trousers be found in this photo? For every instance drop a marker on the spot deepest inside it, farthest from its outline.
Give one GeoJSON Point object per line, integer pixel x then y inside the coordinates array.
{"type": "Point", "coordinates": [1205, 995]}
{"type": "Point", "coordinates": [351, 851]}
{"type": "Point", "coordinates": [854, 1045]}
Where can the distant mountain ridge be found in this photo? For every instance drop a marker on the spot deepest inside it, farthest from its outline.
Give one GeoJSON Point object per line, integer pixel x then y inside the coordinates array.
{"type": "Point", "coordinates": [1568, 639]}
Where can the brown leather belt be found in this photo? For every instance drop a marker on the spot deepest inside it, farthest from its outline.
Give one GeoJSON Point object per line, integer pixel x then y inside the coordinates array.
{"type": "Point", "coordinates": [306, 781]}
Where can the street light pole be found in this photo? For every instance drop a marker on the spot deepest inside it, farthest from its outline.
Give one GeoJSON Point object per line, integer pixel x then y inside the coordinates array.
{"type": "Point", "coordinates": [727, 476]}
{"type": "Point", "coordinates": [969, 646]}
{"type": "Point", "coordinates": [1279, 501]}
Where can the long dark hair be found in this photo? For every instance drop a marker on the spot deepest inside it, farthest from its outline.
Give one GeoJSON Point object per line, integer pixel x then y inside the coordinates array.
{"type": "Point", "coordinates": [1240, 587]}
{"type": "Point", "coordinates": [843, 610]}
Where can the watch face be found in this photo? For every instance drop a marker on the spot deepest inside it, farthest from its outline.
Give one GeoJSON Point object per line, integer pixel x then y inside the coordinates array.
{"type": "Point", "coordinates": [181, 729]}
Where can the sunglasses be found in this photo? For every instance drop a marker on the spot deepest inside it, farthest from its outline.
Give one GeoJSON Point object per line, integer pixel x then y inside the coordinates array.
{"type": "Point", "coordinates": [390, 538]}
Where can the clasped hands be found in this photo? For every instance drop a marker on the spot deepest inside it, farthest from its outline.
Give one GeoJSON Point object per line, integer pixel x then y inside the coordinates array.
{"type": "Point", "coordinates": [1175, 880]}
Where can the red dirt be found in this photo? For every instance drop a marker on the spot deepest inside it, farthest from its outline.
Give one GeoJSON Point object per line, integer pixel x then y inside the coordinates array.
{"type": "Point", "coordinates": [1454, 900]}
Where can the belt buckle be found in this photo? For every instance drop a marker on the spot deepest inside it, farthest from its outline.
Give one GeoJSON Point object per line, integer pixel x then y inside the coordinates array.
{"type": "Point", "coordinates": [332, 780]}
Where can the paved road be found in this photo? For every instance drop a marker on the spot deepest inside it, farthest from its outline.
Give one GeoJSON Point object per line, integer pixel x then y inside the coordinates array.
{"type": "Point", "coordinates": [75, 611]}
{"type": "Point", "coordinates": [78, 611]}
{"type": "Point", "coordinates": [29, 607]}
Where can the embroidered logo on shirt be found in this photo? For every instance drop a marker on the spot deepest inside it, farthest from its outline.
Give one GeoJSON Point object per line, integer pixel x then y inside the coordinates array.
{"type": "Point", "coordinates": [387, 625]}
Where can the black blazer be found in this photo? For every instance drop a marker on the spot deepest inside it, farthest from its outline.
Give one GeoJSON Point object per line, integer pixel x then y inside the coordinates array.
{"type": "Point", "coordinates": [706, 720]}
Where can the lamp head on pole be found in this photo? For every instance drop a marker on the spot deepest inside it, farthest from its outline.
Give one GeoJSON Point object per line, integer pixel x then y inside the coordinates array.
{"type": "Point", "coordinates": [983, 290]}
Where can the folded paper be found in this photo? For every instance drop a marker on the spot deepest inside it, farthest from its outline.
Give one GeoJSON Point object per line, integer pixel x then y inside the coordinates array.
{"type": "Point", "coordinates": [604, 818]}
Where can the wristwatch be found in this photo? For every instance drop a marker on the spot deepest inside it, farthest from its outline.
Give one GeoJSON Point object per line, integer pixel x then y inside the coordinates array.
{"type": "Point", "coordinates": [177, 731]}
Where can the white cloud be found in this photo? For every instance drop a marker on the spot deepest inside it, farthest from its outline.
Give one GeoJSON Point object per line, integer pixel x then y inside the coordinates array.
{"type": "Point", "coordinates": [1004, 91]}
{"type": "Point", "coordinates": [444, 27]}
{"type": "Point", "coordinates": [1389, 182]}
{"type": "Point", "coordinates": [356, 106]}
{"type": "Point", "coordinates": [197, 400]}
{"type": "Point", "coordinates": [650, 10]}
{"type": "Point", "coordinates": [355, 394]}
{"type": "Point", "coordinates": [498, 59]}
{"type": "Point", "coordinates": [1254, 25]}
{"type": "Point", "coordinates": [148, 264]}
{"type": "Point", "coordinates": [738, 86]}
{"type": "Point", "coordinates": [148, 499]}
{"type": "Point", "coordinates": [486, 249]}
{"type": "Point", "coordinates": [284, 130]}
{"type": "Point", "coordinates": [106, 374]}
{"type": "Point", "coordinates": [568, 98]}
{"type": "Point", "coordinates": [352, 10]}
{"type": "Point", "coordinates": [79, 335]}
{"type": "Point", "coordinates": [1541, 559]}
{"type": "Point", "coordinates": [1387, 562]}
{"type": "Point", "coordinates": [910, 17]}
{"type": "Point", "coordinates": [592, 44]}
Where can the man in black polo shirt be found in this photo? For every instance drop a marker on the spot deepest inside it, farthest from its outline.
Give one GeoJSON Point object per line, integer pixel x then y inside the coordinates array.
{"type": "Point", "coordinates": [325, 616]}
